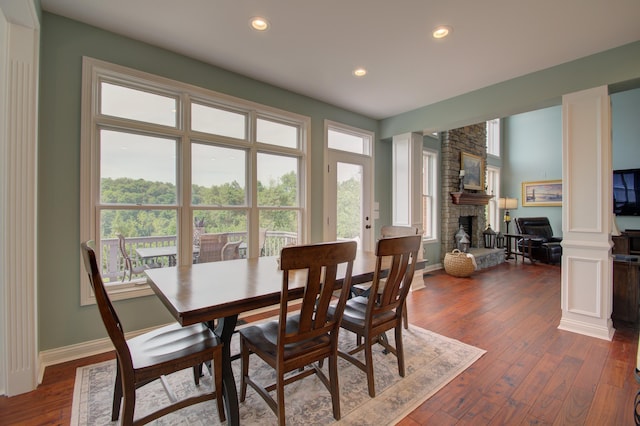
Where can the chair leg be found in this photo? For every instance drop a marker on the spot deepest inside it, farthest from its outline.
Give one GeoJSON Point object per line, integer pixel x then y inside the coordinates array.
{"type": "Point", "coordinates": [217, 377]}
{"type": "Point", "coordinates": [399, 350]}
{"type": "Point", "coordinates": [405, 316]}
{"type": "Point", "coordinates": [197, 373]}
{"type": "Point", "coordinates": [128, 409]}
{"type": "Point", "coordinates": [368, 361]}
{"type": "Point", "coordinates": [335, 388]}
{"type": "Point", "coordinates": [280, 391]}
{"type": "Point", "coordinates": [117, 394]}
{"type": "Point", "coordinates": [244, 367]}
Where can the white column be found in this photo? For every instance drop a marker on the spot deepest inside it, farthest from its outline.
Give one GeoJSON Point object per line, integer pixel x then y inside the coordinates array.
{"type": "Point", "coordinates": [407, 188]}
{"type": "Point", "coordinates": [586, 214]}
{"type": "Point", "coordinates": [18, 198]}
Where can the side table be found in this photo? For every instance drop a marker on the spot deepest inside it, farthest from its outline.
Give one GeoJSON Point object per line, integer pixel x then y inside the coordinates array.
{"type": "Point", "coordinates": [527, 245]}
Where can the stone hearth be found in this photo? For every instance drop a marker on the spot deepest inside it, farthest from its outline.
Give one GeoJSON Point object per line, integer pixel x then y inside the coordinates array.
{"type": "Point", "coordinates": [486, 258]}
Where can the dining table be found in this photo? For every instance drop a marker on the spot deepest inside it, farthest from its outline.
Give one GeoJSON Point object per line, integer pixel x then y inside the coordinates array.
{"type": "Point", "coordinates": [216, 293]}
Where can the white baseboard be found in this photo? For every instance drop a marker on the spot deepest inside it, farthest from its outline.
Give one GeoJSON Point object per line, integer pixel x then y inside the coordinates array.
{"type": "Point", "coordinates": [80, 350]}
{"type": "Point", "coordinates": [431, 268]}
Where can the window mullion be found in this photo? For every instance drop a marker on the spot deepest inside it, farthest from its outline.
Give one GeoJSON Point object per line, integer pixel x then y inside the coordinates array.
{"type": "Point", "coordinates": [252, 190]}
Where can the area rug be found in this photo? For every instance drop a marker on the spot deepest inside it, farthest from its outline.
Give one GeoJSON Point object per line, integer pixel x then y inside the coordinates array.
{"type": "Point", "coordinates": [431, 361]}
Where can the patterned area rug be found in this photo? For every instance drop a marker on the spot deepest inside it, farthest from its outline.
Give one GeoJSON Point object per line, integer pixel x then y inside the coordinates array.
{"type": "Point", "coordinates": [431, 361]}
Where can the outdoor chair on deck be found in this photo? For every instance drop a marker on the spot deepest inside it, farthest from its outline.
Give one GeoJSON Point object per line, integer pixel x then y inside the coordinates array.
{"type": "Point", "coordinates": [371, 317]}
{"type": "Point", "coordinates": [150, 356]}
{"type": "Point", "coordinates": [128, 264]}
{"type": "Point", "coordinates": [231, 250]}
{"type": "Point", "coordinates": [388, 231]}
{"type": "Point", "coordinates": [211, 247]}
{"type": "Point", "coordinates": [308, 335]}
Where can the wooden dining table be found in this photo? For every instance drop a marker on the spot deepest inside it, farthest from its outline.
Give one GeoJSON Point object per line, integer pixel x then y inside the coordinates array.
{"type": "Point", "coordinates": [216, 293]}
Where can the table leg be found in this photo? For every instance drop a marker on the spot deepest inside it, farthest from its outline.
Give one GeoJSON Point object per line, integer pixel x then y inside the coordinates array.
{"type": "Point", "coordinates": [509, 252]}
{"type": "Point", "coordinates": [224, 330]}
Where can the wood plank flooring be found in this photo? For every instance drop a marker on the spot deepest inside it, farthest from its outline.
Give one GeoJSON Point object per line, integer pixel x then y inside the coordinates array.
{"type": "Point", "coordinates": [532, 373]}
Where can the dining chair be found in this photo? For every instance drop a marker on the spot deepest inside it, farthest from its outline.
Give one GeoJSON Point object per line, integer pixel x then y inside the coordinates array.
{"type": "Point", "coordinates": [152, 355]}
{"type": "Point", "coordinates": [370, 317]}
{"type": "Point", "coordinates": [231, 250]}
{"type": "Point", "coordinates": [211, 247]}
{"type": "Point", "coordinates": [128, 264]}
{"type": "Point", "coordinates": [306, 335]}
{"type": "Point", "coordinates": [388, 231]}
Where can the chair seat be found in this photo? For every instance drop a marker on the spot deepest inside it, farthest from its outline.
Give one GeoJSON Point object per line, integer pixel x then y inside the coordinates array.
{"type": "Point", "coordinates": [170, 343]}
{"type": "Point", "coordinates": [265, 336]}
{"type": "Point", "coordinates": [355, 313]}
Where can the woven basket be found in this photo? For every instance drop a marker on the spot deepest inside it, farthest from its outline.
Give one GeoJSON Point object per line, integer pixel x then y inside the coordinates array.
{"type": "Point", "coordinates": [458, 264]}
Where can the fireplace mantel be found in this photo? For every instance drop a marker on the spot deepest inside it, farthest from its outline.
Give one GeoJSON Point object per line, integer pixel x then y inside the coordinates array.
{"type": "Point", "coordinates": [470, 198]}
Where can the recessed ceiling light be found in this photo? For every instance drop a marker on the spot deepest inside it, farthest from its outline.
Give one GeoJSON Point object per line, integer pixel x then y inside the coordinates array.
{"type": "Point", "coordinates": [359, 72]}
{"type": "Point", "coordinates": [442, 31]}
{"type": "Point", "coordinates": [259, 24]}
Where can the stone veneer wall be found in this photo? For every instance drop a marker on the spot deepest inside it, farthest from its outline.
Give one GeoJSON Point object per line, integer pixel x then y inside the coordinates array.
{"type": "Point", "coordinates": [472, 140]}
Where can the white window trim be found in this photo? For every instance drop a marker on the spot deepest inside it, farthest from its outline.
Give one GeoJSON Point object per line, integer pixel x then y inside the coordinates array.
{"type": "Point", "coordinates": [93, 71]}
{"type": "Point", "coordinates": [493, 137]}
{"type": "Point", "coordinates": [431, 156]}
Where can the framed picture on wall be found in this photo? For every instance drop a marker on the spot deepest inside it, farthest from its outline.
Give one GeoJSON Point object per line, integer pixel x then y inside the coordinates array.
{"type": "Point", "coordinates": [473, 166]}
{"type": "Point", "coordinates": [542, 193]}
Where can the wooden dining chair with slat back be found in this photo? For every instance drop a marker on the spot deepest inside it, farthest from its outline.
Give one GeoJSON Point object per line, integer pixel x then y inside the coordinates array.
{"type": "Point", "coordinates": [371, 317]}
{"type": "Point", "coordinates": [307, 335]}
{"type": "Point", "coordinates": [388, 231]}
{"type": "Point", "coordinates": [150, 356]}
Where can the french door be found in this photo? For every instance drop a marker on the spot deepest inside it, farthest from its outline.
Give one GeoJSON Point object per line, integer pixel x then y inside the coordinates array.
{"type": "Point", "coordinates": [348, 198]}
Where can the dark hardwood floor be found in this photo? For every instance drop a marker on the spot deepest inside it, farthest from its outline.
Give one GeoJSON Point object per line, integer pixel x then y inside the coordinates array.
{"type": "Point", "coordinates": [532, 373]}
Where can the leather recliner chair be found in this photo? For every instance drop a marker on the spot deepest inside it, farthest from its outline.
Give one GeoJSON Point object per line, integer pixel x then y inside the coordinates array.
{"type": "Point", "coordinates": [545, 247]}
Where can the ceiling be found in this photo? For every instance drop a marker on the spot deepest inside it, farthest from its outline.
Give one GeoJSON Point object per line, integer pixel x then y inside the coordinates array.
{"type": "Point", "coordinates": [312, 47]}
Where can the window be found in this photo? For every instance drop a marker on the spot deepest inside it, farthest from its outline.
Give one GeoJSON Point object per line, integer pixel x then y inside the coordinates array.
{"type": "Point", "coordinates": [163, 163]}
{"type": "Point", "coordinates": [343, 138]}
{"type": "Point", "coordinates": [429, 194]}
{"type": "Point", "coordinates": [493, 137]}
{"type": "Point", "coordinates": [493, 188]}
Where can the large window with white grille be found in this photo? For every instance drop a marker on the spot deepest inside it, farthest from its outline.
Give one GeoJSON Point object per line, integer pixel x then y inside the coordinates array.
{"type": "Point", "coordinates": [429, 194]}
{"type": "Point", "coordinates": [493, 137]}
{"type": "Point", "coordinates": [174, 174]}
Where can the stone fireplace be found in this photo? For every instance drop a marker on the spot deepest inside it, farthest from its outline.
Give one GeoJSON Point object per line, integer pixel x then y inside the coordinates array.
{"type": "Point", "coordinates": [472, 140]}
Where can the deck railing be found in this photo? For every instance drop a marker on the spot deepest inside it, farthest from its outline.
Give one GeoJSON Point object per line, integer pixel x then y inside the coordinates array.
{"type": "Point", "coordinates": [113, 262]}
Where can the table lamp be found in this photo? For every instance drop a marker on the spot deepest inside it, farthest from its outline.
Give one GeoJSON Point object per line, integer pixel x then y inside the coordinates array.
{"type": "Point", "coordinates": [507, 204]}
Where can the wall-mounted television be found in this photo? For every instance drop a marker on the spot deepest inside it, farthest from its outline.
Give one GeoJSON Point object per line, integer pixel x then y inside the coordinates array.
{"type": "Point", "coordinates": [626, 192]}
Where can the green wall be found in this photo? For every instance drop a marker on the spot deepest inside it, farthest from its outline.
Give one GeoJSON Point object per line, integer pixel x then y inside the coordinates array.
{"type": "Point", "coordinates": [532, 151]}
{"type": "Point", "coordinates": [62, 321]}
